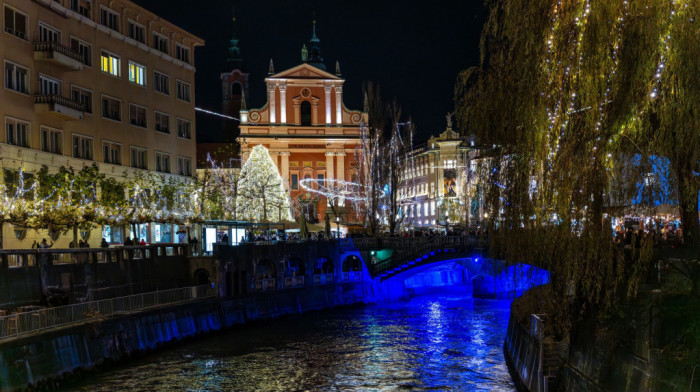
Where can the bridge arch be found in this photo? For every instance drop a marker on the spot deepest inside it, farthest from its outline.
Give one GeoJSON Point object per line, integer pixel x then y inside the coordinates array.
{"type": "Point", "coordinates": [265, 269]}
{"type": "Point", "coordinates": [293, 266]}
{"type": "Point", "coordinates": [323, 265]}
{"type": "Point", "coordinates": [352, 263]}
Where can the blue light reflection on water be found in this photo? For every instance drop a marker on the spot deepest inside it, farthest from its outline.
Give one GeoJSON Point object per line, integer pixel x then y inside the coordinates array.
{"type": "Point", "coordinates": [429, 343]}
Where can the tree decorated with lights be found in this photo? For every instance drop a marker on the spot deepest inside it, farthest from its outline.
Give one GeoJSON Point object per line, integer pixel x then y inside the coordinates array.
{"type": "Point", "coordinates": [571, 93]}
{"type": "Point", "coordinates": [262, 196]}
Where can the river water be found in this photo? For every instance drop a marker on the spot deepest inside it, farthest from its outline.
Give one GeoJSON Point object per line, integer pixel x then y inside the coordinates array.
{"type": "Point", "coordinates": [436, 343]}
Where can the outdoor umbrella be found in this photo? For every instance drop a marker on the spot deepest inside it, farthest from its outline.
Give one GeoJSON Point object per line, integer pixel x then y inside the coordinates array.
{"type": "Point", "coordinates": [328, 227]}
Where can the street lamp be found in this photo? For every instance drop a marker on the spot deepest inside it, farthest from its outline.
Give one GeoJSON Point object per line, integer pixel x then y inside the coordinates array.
{"type": "Point", "coordinates": [337, 223]}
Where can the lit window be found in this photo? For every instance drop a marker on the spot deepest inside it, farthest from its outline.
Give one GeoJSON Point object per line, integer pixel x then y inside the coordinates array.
{"type": "Point", "coordinates": [110, 63]}
{"type": "Point", "coordinates": [137, 74]}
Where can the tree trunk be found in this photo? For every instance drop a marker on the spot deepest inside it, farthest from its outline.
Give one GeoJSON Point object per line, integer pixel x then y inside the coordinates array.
{"type": "Point", "coordinates": [688, 203]}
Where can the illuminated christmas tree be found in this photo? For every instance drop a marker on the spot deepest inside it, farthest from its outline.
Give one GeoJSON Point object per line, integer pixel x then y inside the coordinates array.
{"type": "Point", "coordinates": [261, 192]}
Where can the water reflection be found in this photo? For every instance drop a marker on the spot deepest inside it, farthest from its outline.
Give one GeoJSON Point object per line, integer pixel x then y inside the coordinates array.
{"type": "Point", "coordinates": [430, 343]}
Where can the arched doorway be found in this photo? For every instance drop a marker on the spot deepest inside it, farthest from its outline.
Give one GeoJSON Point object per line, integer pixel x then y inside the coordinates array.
{"type": "Point", "coordinates": [306, 113]}
{"type": "Point", "coordinates": [201, 277]}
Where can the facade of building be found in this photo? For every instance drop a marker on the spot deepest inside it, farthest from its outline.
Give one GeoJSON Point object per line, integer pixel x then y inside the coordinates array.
{"type": "Point", "coordinates": [309, 132]}
{"type": "Point", "coordinates": [101, 81]}
{"type": "Point", "coordinates": [437, 183]}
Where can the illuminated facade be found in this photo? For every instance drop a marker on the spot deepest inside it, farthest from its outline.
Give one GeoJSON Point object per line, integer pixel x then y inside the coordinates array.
{"type": "Point", "coordinates": [95, 81]}
{"type": "Point", "coordinates": [309, 132]}
{"type": "Point", "coordinates": [437, 185]}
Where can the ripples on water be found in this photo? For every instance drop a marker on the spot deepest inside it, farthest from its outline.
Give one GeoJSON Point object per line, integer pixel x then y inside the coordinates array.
{"type": "Point", "coordinates": [426, 344]}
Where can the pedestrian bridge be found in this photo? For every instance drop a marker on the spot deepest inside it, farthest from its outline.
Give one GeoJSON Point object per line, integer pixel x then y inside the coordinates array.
{"type": "Point", "coordinates": [416, 263]}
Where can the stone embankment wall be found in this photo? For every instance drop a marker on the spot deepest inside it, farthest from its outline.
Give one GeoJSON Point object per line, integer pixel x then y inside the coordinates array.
{"type": "Point", "coordinates": [45, 359]}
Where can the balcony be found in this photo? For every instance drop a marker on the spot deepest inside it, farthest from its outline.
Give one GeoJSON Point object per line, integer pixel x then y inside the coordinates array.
{"type": "Point", "coordinates": [59, 106]}
{"type": "Point", "coordinates": [59, 55]}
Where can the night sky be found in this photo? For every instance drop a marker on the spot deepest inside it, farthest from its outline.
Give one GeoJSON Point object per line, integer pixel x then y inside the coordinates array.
{"type": "Point", "coordinates": [413, 50]}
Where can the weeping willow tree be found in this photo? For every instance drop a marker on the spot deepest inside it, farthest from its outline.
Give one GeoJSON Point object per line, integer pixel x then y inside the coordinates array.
{"type": "Point", "coordinates": [568, 92]}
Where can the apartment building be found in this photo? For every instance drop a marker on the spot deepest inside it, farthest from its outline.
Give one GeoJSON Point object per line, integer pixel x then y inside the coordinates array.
{"type": "Point", "coordinates": [101, 81]}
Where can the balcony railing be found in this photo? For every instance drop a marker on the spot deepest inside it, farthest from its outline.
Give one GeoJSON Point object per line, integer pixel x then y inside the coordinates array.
{"type": "Point", "coordinates": [265, 284]}
{"type": "Point", "coordinates": [352, 276]}
{"type": "Point", "coordinates": [321, 279]}
{"type": "Point", "coordinates": [54, 99]}
{"type": "Point", "coordinates": [35, 319]}
{"type": "Point", "coordinates": [55, 47]}
{"type": "Point", "coordinates": [294, 281]}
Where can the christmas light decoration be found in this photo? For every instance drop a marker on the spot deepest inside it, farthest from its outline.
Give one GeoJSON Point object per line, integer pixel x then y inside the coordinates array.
{"type": "Point", "coordinates": [262, 196]}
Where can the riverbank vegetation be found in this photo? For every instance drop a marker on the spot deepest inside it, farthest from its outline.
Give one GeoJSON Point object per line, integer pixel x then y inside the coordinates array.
{"type": "Point", "coordinates": [586, 107]}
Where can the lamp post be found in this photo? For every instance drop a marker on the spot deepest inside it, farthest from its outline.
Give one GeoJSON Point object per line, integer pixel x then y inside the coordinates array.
{"type": "Point", "coordinates": [337, 223]}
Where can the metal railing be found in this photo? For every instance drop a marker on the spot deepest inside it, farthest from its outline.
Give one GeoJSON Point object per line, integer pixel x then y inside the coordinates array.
{"type": "Point", "coordinates": [18, 324]}
{"type": "Point", "coordinates": [17, 258]}
{"type": "Point", "coordinates": [49, 46]}
{"type": "Point", "coordinates": [420, 249]}
{"type": "Point", "coordinates": [59, 100]}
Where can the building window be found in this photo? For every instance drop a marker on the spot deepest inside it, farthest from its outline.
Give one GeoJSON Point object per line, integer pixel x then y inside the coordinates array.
{"type": "Point", "coordinates": [183, 91]}
{"type": "Point", "coordinates": [182, 53]}
{"type": "Point", "coordinates": [16, 78]}
{"type": "Point", "coordinates": [162, 121]}
{"type": "Point", "coordinates": [81, 6]}
{"type": "Point", "coordinates": [321, 181]}
{"type": "Point", "coordinates": [109, 18]}
{"type": "Point", "coordinates": [110, 63]}
{"type": "Point", "coordinates": [160, 42]}
{"type": "Point", "coordinates": [432, 208]}
{"type": "Point", "coordinates": [161, 83]}
{"type": "Point", "coordinates": [184, 166]}
{"type": "Point", "coordinates": [16, 132]}
{"type": "Point", "coordinates": [82, 147]}
{"type": "Point", "coordinates": [15, 23]}
{"type": "Point", "coordinates": [184, 128]}
{"type": "Point", "coordinates": [139, 158]}
{"type": "Point", "coordinates": [49, 86]}
{"type": "Point", "coordinates": [50, 140]}
{"type": "Point", "coordinates": [48, 34]}
{"type": "Point", "coordinates": [295, 181]}
{"type": "Point", "coordinates": [82, 96]}
{"type": "Point", "coordinates": [84, 49]}
{"type": "Point", "coordinates": [136, 31]}
{"type": "Point", "coordinates": [137, 73]}
{"type": "Point", "coordinates": [162, 162]}
{"type": "Point", "coordinates": [137, 116]}
{"type": "Point", "coordinates": [111, 109]}
{"type": "Point", "coordinates": [112, 153]}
